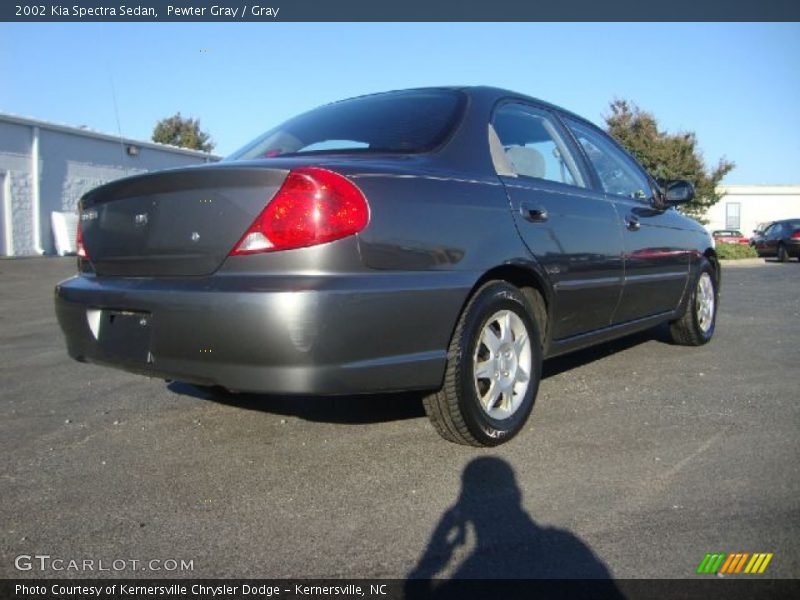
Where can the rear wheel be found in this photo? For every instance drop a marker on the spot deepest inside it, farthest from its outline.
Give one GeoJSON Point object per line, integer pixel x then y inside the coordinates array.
{"type": "Point", "coordinates": [696, 326]}
{"type": "Point", "coordinates": [493, 369]}
{"type": "Point", "coordinates": [782, 255]}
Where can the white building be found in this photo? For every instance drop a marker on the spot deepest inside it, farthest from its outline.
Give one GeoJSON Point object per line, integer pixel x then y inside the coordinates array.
{"type": "Point", "coordinates": [743, 207]}
{"type": "Point", "coordinates": [46, 167]}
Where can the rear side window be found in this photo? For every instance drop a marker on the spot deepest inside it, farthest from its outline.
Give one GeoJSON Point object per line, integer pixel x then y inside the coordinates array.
{"type": "Point", "coordinates": [403, 122]}
{"type": "Point", "coordinates": [533, 146]}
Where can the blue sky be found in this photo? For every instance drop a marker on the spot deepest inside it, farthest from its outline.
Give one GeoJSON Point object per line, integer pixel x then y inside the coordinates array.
{"type": "Point", "coordinates": [736, 85]}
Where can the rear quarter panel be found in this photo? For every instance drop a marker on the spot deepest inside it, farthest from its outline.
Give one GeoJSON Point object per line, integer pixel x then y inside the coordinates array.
{"type": "Point", "coordinates": [437, 222]}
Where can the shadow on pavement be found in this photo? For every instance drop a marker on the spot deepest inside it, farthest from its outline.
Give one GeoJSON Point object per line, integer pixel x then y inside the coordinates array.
{"type": "Point", "coordinates": [487, 534]}
{"type": "Point", "coordinates": [381, 408]}
{"type": "Point", "coordinates": [352, 410]}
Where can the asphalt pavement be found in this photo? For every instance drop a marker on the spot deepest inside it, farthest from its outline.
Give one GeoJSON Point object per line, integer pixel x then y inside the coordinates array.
{"type": "Point", "coordinates": [639, 458]}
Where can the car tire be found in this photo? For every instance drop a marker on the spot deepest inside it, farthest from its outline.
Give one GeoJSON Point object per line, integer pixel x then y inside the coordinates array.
{"type": "Point", "coordinates": [494, 364]}
{"type": "Point", "coordinates": [696, 326]}
{"type": "Point", "coordinates": [782, 255]}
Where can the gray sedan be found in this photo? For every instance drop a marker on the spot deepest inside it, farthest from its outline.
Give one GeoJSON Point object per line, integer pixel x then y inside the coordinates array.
{"type": "Point", "coordinates": [445, 240]}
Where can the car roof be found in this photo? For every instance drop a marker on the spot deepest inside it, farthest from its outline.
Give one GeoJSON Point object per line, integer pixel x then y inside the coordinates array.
{"type": "Point", "coordinates": [500, 93]}
{"type": "Point", "coordinates": [485, 92]}
{"type": "Point", "coordinates": [459, 148]}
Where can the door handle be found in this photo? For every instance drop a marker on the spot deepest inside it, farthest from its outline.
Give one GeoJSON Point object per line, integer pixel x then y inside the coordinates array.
{"type": "Point", "coordinates": [632, 223]}
{"type": "Point", "coordinates": [533, 213]}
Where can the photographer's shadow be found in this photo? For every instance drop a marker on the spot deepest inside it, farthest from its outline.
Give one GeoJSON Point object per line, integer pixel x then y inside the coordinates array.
{"type": "Point", "coordinates": [506, 542]}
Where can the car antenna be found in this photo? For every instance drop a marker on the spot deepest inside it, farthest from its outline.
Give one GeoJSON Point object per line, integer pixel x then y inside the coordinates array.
{"type": "Point", "coordinates": [116, 107]}
{"type": "Point", "coordinates": [119, 126]}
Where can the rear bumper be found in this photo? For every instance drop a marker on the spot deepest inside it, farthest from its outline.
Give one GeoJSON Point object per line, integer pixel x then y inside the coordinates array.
{"type": "Point", "coordinates": [357, 333]}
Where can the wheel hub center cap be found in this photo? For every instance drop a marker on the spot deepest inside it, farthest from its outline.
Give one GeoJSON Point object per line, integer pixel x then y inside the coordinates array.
{"type": "Point", "coordinates": [506, 363]}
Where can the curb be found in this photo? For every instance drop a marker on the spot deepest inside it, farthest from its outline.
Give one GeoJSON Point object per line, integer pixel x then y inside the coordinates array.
{"type": "Point", "coordinates": [743, 262]}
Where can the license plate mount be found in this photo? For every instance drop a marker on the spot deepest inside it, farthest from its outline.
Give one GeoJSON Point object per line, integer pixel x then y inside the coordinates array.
{"type": "Point", "coordinates": [125, 335]}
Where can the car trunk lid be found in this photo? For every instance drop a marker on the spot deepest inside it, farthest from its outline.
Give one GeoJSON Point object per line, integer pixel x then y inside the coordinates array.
{"type": "Point", "coordinates": [180, 222]}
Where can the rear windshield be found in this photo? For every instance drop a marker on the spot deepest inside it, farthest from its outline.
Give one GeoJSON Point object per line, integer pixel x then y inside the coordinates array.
{"type": "Point", "coordinates": [405, 122]}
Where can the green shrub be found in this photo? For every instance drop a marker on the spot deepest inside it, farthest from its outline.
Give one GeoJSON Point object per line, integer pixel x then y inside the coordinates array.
{"type": "Point", "coordinates": [735, 251]}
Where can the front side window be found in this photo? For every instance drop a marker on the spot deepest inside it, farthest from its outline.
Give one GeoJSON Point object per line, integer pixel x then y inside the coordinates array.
{"type": "Point", "coordinates": [618, 176]}
{"type": "Point", "coordinates": [533, 146]}
{"type": "Point", "coordinates": [395, 122]}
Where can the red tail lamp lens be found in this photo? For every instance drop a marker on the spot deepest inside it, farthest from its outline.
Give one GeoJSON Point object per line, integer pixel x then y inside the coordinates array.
{"type": "Point", "coordinates": [80, 249]}
{"type": "Point", "coordinates": [313, 206]}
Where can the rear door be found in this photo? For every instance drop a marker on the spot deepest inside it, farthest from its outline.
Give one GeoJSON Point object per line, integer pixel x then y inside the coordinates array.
{"type": "Point", "coordinates": [572, 230]}
{"type": "Point", "coordinates": [657, 246]}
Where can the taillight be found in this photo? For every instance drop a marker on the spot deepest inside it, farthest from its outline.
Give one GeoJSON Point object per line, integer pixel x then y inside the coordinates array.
{"type": "Point", "coordinates": [80, 249]}
{"type": "Point", "coordinates": [313, 206]}
{"type": "Point", "coordinates": [796, 235]}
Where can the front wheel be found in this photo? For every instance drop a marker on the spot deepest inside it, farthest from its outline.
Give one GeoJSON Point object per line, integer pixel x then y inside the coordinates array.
{"type": "Point", "coordinates": [494, 364]}
{"type": "Point", "coordinates": [782, 254]}
{"type": "Point", "coordinates": [696, 326]}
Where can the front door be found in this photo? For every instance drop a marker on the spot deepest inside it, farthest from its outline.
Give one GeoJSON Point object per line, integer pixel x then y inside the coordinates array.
{"type": "Point", "coordinates": [768, 245]}
{"type": "Point", "coordinates": [657, 248]}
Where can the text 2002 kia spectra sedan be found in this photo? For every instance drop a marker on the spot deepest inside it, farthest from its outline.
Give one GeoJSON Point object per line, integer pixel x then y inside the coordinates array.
{"type": "Point", "coordinates": [443, 239]}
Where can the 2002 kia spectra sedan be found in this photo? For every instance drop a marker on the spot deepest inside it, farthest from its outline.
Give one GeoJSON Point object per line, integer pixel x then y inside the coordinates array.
{"type": "Point", "coordinates": [443, 239]}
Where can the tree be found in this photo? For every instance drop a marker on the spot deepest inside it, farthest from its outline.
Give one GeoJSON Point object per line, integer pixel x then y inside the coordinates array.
{"type": "Point", "coordinates": [667, 155]}
{"type": "Point", "coordinates": [183, 132]}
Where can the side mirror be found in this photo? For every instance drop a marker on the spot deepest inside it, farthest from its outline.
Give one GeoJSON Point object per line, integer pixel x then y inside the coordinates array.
{"type": "Point", "coordinates": [679, 192]}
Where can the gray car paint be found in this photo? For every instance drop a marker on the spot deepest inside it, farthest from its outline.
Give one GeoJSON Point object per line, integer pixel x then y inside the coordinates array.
{"type": "Point", "coordinates": [373, 312]}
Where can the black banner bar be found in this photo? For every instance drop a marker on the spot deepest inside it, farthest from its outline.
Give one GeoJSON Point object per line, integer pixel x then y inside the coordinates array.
{"type": "Point", "coordinates": [733, 588]}
{"type": "Point", "coordinates": [407, 10]}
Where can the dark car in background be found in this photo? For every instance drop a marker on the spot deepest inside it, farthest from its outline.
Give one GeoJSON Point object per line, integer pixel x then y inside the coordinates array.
{"type": "Point", "coordinates": [445, 240]}
{"type": "Point", "coordinates": [781, 239]}
{"type": "Point", "coordinates": [729, 236]}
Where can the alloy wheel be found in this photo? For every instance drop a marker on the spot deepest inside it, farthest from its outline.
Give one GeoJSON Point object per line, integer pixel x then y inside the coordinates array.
{"type": "Point", "coordinates": [705, 302]}
{"type": "Point", "coordinates": [502, 364]}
